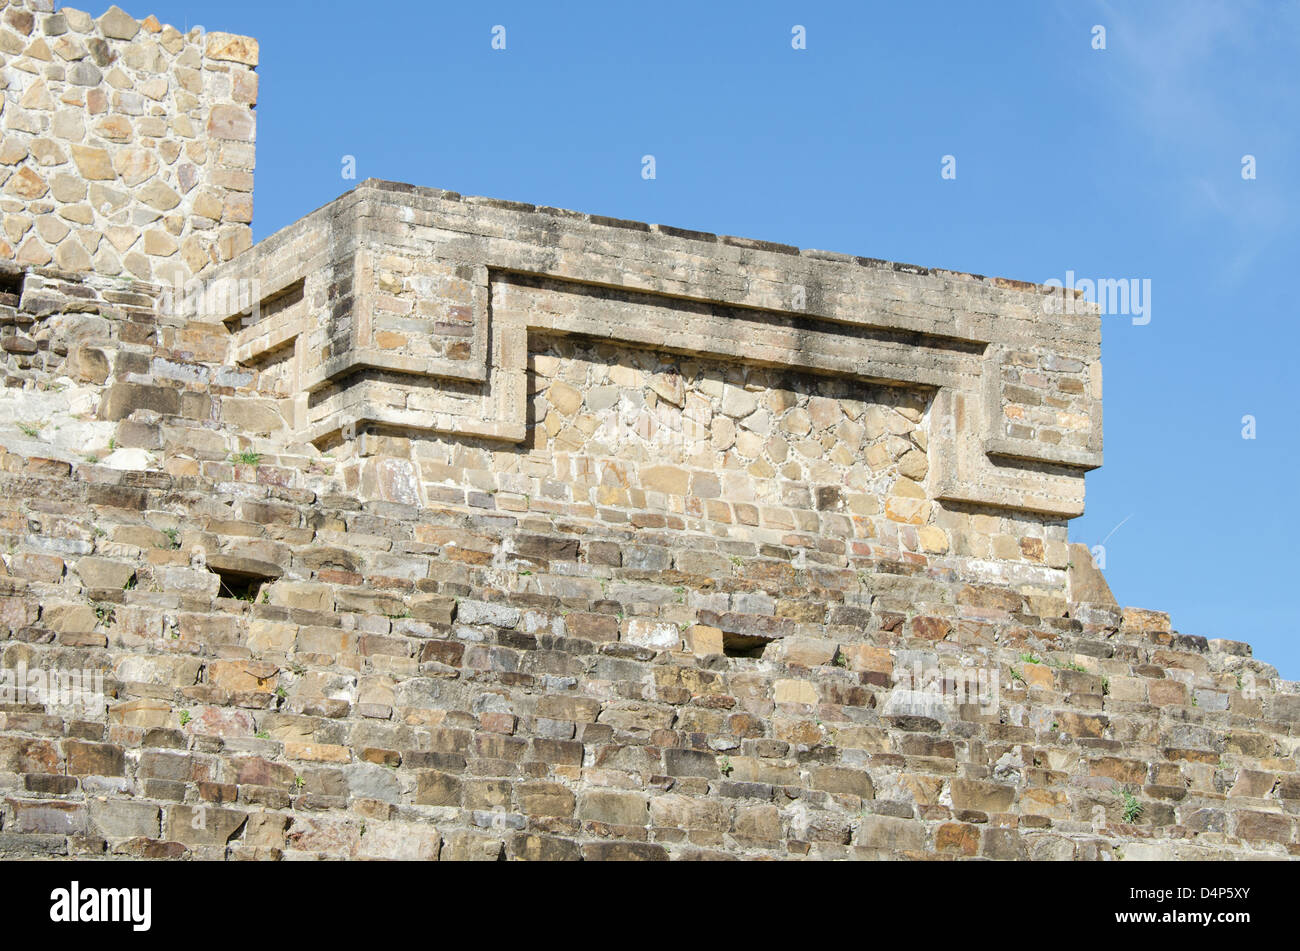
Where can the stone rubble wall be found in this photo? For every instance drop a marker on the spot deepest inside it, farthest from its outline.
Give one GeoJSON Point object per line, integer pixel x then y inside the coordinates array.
{"type": "Point", "coordinates": [416, 311]}
{"type": "Point", "coordinates": [418, 646]}
{"type": "Point", "coordinates": [128, 146]}
{"type": "Point", "coordinates": [436, 526]}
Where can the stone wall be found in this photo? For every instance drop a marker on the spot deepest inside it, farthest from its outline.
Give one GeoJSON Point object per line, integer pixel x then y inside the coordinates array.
{"type": "Point", "coordinates": [420, 313]}
{"type": "Point", "coordinates": [308, 652]}
{"type": "Point", "coordinates": [128, 146]}
{"type": "Point", "coordinates": [443, 527]}
{"type": "Point", "coordinates": [404, 313]}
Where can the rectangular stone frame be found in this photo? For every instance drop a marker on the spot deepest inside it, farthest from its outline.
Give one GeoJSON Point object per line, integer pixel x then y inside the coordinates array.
{"type": "Point", "coordinates": [814, 311]}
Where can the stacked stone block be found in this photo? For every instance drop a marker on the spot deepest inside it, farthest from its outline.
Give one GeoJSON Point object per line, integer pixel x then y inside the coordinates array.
{"type": "Point", "coordinates": [441, 527]}
{"type": "Point", "coordinates": [128, 147]}
{"type": "Point", "coordinates": [417, 313]}
{"type": "Point", "coordinates": [300, 663]}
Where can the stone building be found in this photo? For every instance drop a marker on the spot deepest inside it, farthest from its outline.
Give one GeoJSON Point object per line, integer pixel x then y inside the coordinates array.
{"type": "Point", "coordinates": [436, 526]}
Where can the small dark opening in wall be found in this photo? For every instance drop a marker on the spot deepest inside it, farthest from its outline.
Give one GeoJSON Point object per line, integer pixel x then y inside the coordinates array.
{"type": "Point", "coordinates": [240, 587]}
{"type": "Point", "coordinates": [241, 578]}
{"type": "Point", "coordinates": [744, 645]}
{"type": "Point", "coordinates": [11, 287]}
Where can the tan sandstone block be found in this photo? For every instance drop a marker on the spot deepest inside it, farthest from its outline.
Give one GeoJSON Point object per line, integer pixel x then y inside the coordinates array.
{"type": "Point", "coordinates": [318, 752]}
{"type": "Point", "coordinates": [795, 691]}
{"type": "Point", "coordinates": [93, 163]}
{"type": "Point", "coordinates": [229, 47]}
{"type": "Point", "coordinates": [704, 640]}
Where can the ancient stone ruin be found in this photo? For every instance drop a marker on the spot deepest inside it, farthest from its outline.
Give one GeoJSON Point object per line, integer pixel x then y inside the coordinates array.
{"type": "Point", "coordinates": [436, 526]}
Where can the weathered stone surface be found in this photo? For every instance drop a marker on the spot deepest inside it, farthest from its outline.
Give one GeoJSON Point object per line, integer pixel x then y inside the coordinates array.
{"type": "Point", "coordinates": [399, 841]}
{"type": "Point", "coordinates": [231, 122]}
{"type": "Point", "coordinates": [244, 566]}
{"type": "Point", "coordinates": [201, 825]}
{"type": "Point", "coordinates": [90, 364]}
{"type": "Point", "coordinates": [104, 572]}
{"type": "Point", "coordinates": [232, 48]}
{"type": "Point", "coordinates": [705, 640]}
{"type": "Point", "coordinates": [977, 796]}
{"type": "Point", "coordinates": [26, 184]}
{"type": "Point", "coordinates": [124, 819]}
{"type": "Point", "coordinates": [123, 399]}
{"type": "Point", "coordinates": [1086, 581]}
{"type": "Point", "coordinates": [614, 808]}
{"type": "Point", "coordinates": [50, 818]}
{"type": "Point", "coordinates": [393, 480]}
{"type": "Point", "coordinates": [118, 25]}
{"type": "Point", "coordinates": [94, 164]}
{"type": "Point", "coordinates": [122, 104]}
{"type": "Point", "coordinates": [445, 528]}
{"type": "Point", "coordinates": [657, 636]}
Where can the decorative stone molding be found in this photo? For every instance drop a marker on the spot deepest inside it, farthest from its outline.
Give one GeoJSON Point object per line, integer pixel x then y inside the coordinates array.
{"type": "Point", "coordinates": [641, 542]}
{"type": "Point", "coordinates": [412, 308]}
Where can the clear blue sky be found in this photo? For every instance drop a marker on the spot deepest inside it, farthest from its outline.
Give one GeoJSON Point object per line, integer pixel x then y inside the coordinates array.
{"type": "Point", "coordinates": [1122, 163]}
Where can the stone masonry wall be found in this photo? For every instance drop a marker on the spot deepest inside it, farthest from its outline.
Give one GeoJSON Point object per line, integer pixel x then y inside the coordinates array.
{"type": "Point", "coordinates": [443, 527]}
{"type": "Point", "coordinates": [128, 147]}
{"type": "Point", "coordinates": [420, 314]}
{"type": "Point", "coordinates": [299, 667]}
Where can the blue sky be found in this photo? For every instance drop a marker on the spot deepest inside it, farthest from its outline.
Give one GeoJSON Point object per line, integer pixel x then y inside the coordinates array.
{"type": "Point", "coordinates": [1120, 163]}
